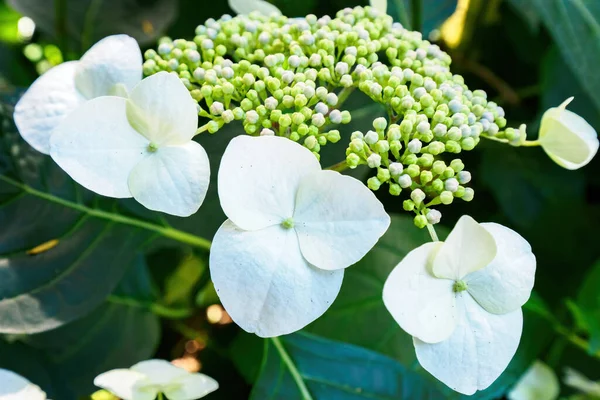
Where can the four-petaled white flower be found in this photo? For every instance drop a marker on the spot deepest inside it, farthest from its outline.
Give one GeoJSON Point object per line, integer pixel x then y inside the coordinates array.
{"type": "Point", "coordinates": [277, 263]}
{"type": "Point", "coordinates": [113, 66]}
{"type": "Point", "coordinates": [138, 147]}
{"type": "Point", "coordinates": [461, 301]}
{"type": "Point", "coordinates": [567, 138]}
{"type": "Point", "coordinates": [14, 387]}
{"type": "Point", "coordinates": [146, 379]}
{"type": "Point", "coordinates": [539, 382]}
{"type": "Point", "coordinates": [248, 6]}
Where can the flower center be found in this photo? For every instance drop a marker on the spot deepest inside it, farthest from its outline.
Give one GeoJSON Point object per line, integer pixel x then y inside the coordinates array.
{"type": "Point", "coordinates": [287, 223]}
{"type": "Point", "coordinates": [152, 147]}
{"type": "Point", "coordinates": [459, 286]}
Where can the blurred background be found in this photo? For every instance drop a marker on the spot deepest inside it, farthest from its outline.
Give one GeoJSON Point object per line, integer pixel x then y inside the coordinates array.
{"type": "Point", "coordinates": [528, 55]}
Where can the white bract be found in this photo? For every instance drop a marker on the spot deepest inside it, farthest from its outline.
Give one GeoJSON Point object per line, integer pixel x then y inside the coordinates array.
{"type": "Point", "coordinates": [15, 387]}
{"type": "Point", "coordinates": [539, 382]}
{"type": "Point", "coordinates": [461, 301]}
{"type": "Point", "coordinates": [113, 66]}
{"type": "Point", "coordinates": [567, 138]}
{"type": "Point", "coordinates": [277, 262]}
{"type": "Point", "coordinates": [248, 6]}
{"type": "Point", "coordinates": [138, 147]}
{"type": "Point", "coordinates": [146, 379]}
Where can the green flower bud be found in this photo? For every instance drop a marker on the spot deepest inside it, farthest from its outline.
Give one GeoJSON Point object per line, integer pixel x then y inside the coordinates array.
{"type": "Point", "coordinates": [457, 165]}
{"type": "Point", "coordinates": [468, 195]}
{"type": "Point", "coordinates": [453, 147]}
{"type": "Point", "coordinates": [420, 221]}
{"type": "Point", "coordinates": [437, 185]}
{"type": "Point", "coordinates": [380, 124]}
{"type": "Point", "coordinates": [468, 143]}
{"type": "Point", "coordinates": [446, 197]}
{"type": "Point", "coordinates": [333, 136]}
{"type": "Point", "coordinates": [438, 167]}
{"type": "Point", "coordinates": [383, 174]}
{"type": "Point", "coordinates": [353, 160]}
{"type": "Point", "coordinates": [426, 177]}
{"type": "Point", "coordinates": [413, 170]}
{"type": "Point", "coordinates": [382, 146]}
{"type": "Point", "coordinates": [395, 189]}
{"type": "Point", "coordinates": [310, 142]}
{"type": "Point", "coordinates": [373, 183]}
{"type": "Point", "coordinates": [408, 205]}
{"type": "Point", "coordinates": [426, 160]}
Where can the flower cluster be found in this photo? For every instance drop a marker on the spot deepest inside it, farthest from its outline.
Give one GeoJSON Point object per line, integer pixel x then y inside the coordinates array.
{"type": "Point", "coordinates": [278, 75]}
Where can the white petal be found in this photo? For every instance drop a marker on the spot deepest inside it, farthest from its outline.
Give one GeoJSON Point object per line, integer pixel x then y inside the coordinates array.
{"type": "Point", "coordinates": [159, 372]}
{"type": "Point", "coordinates": [98, 148]}
{"type": "Point", "coordinates": [469, 247]}
{"type": "Point", "coordinates": [380, 5]}
{"type": "Point", "coordinates": [265, 284]}
{"type": "Point", "coordinates": [46, 103]}
{"type": "Point", "coordinates": [174, 179]}
{"type": "Point", "coordinates": [247, 6]}
{"type": "Point", "coordinates": [423, 305]}
{"type": "Point", "coordinates": [568, 138]}
{"type": "Point", "coordinates": [538, 383]}
{"type": "Point", "coordinates": [162, 109]}
{"type": "Point", "coordinates": [478, 350]}
{"type": "Point", "coordinates": [338, 219]}
{"type": "Point", "coordinates": [506, 283]}
{"type": "Point", "coordinates": [14, 387]}
{"type": "Point", "coordinates": [259, 178]}
{"type": "Point", "coordinates": [193, 386]}
{"type": "Point", "coordinates": [125, 383]}
{"type": "Point", "coordinates": [113, 61]}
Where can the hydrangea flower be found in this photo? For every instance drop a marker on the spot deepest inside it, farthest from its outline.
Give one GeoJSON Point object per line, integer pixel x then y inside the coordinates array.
{"type": "Point", "coordinates": [248, 6]}
{"type": "Point", "coordinates": [567, 138]}
{"type": "Point", "coordinates": [539, 382]}
{"type": "Point", "coordinates": [277, 263]}
{"type": "Point", "coordinates": [113, 66]}
{"type": "Point", "coordinates": [14, 387]}
{"type": "Point", "coordinates": [138, 147]}
{"type": "Point", "coordinates": [146, 379]}
{"type": "Point", "coordinates": [461, 301]}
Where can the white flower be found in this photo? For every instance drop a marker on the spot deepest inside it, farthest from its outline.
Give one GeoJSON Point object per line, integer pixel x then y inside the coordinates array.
{"type": "Point", "coordinates": [567, 138]}
{"type": "Point", "coordinates": [248, 6]}
{"type": "Point", "coordinates": [539, 382]}
{"type": "Point", "coordinates": [277, 262]}
{"type": "Point", "coordinates": [461, 301]}
{"type": "Point", "coordinates": [146, 379]}
{"type": "Point", "coordinates": [139, 147]}
{"type": "Point", "coordinates": [113, 66]}
{"type": "Point", "coordinates": [15, 387]}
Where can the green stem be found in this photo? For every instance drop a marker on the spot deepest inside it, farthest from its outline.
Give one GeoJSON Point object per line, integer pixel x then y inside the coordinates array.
{"type": "Point", "coordinates": [531, 143]}
{"type": "Point", "coordinates": [339, 167]}
{"type": "Point", "coordinates": [165, 231]}
{"type": "Point", "coordinates": [156, 308]}
{"type": "Point", "coordinates": [287, 360]}
{"type": "Point", "coordinates": [203, 128]}
{"type": "Point", "coordinates": [160, 396]}
{"type": "Point", "coordinates": [495, 139]}
{"type": "Point", "coordinates": [343, 95]}
{"type": "Point", "coordinates": [432, 233]}
{"type": "Point", "coordinates": [417, 17]}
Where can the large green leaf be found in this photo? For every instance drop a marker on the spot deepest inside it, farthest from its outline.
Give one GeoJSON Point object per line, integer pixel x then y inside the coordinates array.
{"type": "Point", "coordinates": [575, 27]}
{"type": "Point", "coordinates": [433, 13]}
{"type": "Point", "coordinates": [88, 21]}
{"type": "Point", "coordinates": [333, 371]}
{"type": "Point", "coordinates": [358, 315]}
{"type": "Point", "coordinates": [56, 263]}
{"type": "Point", "coordinates": [65, 361]}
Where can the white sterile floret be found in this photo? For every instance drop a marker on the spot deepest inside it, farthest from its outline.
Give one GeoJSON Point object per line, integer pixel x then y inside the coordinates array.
{"type": "Point", "coordinates": [567, 138]}
{"type": "Point", "coordinates": [146, 379]}
{"type": "Point", "coordinates": [139, 147]}
{"type": "Point", "coordinates": [461, 301]}
{"type": "Point", "coordinates": [277, 262]}
{"type": "Point", "coordinates": [113, 66]}
{"type": "Point", "coordinates": [539, 382]}
{"type": "Point", "coordinates": [15, 387]}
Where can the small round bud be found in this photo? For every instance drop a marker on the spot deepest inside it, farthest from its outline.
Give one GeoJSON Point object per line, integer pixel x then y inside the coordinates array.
{"type": "Point", "coordinates": [335, 116]}
{"type": "Point", "coordinates": [457, 165]}
{"type": "Point", "coordinates": [217, 108]}
{"type": "Point", "coordinates": [408, 205]}
{"type": "Point", "coordinates": [395, 189]}
{"type": "Point", "coordinates": [446, 197]}
{"type": "Point", "coordinates": [373, 183]}
{"type": "Point", "coordinates": [468, 195]}
{"type": "Point", "coordinates": [310, 142]}
{"type": "Point", "coordinates": [426, 177]}
{"type": "Point", "coordinates": [353, 160]}
{"type": "Point", "coordinates": [405, 181]}
{"type": "Point", "coordinates": [396, 169]}
{"type": "Point", "coordinates": [414, 146]}
{"type": "Point", "coordinates": [331, 99]}
{"type": "Point", "coordinates": [382, 146]}
{"type": "Point", "coordinates": [420, 221]}
{"type": "Point", "coordinates": [267, 132]}
{"type": "Point", "coordinates": [434, 216]}
{"type": "Point", "coordinates": [451, 185]}
{"type": "Point", "coordinates": [380, 123]}
{"type": "Point", "coordinates": [463, 177]}
{"type": "Point", "coordinates": [374, 160]}
{"type": "Point", "coordinates": [318, 120]}
{"type": "Point", "coordinates": [417, 196]}
{"type": "Point", "coordinates": [252, 117]}
{"type": "Point", "coordinates": [371, 137]}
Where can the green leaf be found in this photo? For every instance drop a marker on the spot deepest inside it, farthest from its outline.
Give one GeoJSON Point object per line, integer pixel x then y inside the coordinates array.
{"type": "Point", "coordinates": [58, 263]}
{"type": "Point", "coordinates": [435, 12]}
{"type": "Point", "coordinates": [300, 363]}
{"type": "Point", "coordinates": [575, 27]}
{"type": "Point", "coordinates": [65, 361]}
{"type": "Point", "coordinates": [586, 309]}
{"type": "Point", "coordinates": [87, 21]}
{"type": "Point", "coordinates": [9, 18]}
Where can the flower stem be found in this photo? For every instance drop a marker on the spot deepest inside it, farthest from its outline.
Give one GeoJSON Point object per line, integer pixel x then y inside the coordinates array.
{"type": "Point", "coordinates": [531, 143]}
{"type": "Point", "coordinates": [203, 128]}
{"type": "Point", "coordinates": [343, 95]}
{"type": "Point", "coordinates": [432, 233]}
{"type": "Point", "coordinates": [156, 308]}
{"type": "Point", "coordinates": [495, 139]}
{"type": "Point", "coordinates": [339, 167]}
{"type": "Point", "coordinates": [289, 363]}
{"type": "Point", "coordinates": [168, 232]}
